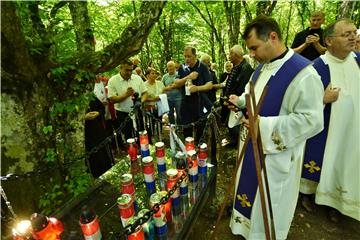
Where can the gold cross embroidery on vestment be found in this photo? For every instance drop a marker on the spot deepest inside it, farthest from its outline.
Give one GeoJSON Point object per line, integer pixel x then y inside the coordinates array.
{"type": "Point", "coordinates": [243, 200]}
{"type": "Point", "coordinates": [312, 166]}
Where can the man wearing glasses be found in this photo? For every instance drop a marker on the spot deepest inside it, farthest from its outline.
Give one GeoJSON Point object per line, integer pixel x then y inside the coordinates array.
{"type": "Point", "coordinates": [335, 151]}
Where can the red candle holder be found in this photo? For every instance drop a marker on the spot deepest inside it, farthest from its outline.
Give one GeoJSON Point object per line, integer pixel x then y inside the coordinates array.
{"type": "Point", "coordinates": [127, 184]}
{"type": "Point", "coordinates": [45, 228]}
{"type": "Point", "coordinates": [126, 208]}
{"type": "Point", "coordinates": [167, 207]}
{"type": "Point", "coordinates": [144, 139]}
{"type": "Point", "coordinates": [89, 224]}
{"type": "Point", "coordinates": [138, 234]}
{"type": "Point", "coordinates": [132, 149]}
{"type": "Point", "coordinates": [203, 151]}
{"type": "Point", "coordinates": [159, 150]}
{"type": "Point", "coordinates": [189, 144]}
{"type": "Point", "coordinates": [192, 158]}
{"type": "Point", "coordinates": [202, 158]}
{"type": "Point", "coordinates": [160, 215]}
{"type": "Point", "coordinates": [171, 181]}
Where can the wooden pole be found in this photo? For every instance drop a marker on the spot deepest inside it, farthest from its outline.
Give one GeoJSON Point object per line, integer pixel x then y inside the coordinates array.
{"type": "Point", "coordinates": [262, 161]}
{"type": "Point", "coordinates": [253, 129]}
{"type": "Point", "coordinates": [240, 157]}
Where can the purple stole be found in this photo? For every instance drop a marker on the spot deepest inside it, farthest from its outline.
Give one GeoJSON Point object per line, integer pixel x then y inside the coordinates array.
{"type": "Point", "coordinates": [277, 85]}
{"type": "Point", "coordinates": [315, 146]}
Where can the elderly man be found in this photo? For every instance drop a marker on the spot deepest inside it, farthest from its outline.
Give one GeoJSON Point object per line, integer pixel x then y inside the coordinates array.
{"type": "Point", "coordinates": [291, 113]}
{"type": "Point", "coordinates": [194, 81]}
{"type": "Point", "coordinates": [332, 152]}
{"type": "Point", "coordinates": [235, 84]}
{"type": "Point", "coordinates": [174, 94]}
{"type": "Point", "coordinates": [121, 89]}
{"type": "Point", "coordinates": [309, 42]}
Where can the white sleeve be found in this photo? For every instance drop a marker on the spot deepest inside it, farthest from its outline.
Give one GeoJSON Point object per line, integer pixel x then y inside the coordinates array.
{"type": "Point", "coordinates": [301, 114]}
{"type": "Point", "coordinates": [111, 88]}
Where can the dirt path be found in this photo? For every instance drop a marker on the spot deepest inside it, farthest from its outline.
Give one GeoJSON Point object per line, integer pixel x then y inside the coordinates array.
{"type": "Point", "coordinates": [305, 226]}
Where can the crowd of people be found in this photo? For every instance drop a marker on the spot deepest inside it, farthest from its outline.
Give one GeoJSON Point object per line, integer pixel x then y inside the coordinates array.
{"type": "Point", "coordinates": [308, 121]}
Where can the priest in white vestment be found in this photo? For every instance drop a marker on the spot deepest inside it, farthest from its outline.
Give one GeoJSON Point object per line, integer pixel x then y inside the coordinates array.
{"type": "Point", "coordinates": [283, 135]}
{"type": "Point", "coordinates": [339, 185]}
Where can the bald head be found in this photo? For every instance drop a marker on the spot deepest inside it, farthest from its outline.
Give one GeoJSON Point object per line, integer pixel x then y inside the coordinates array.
{"type": "Point", "coordinates": [236, 54]}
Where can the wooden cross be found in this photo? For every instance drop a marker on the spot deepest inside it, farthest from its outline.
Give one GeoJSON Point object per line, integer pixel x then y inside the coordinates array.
{"type": "Point", "coordinates": [254, 114]}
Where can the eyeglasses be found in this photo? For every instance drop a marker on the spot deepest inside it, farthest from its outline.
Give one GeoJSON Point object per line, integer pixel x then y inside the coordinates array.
{"type": "Point", "coordinates": [346, 34]}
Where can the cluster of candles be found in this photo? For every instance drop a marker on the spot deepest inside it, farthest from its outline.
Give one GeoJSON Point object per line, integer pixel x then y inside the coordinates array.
{"type": "Point", "coordinates": [47, 228]}
{"type": "Point", "coordinates": [38, 227]}
{"type": "Point", "coordinates": [127, 201]}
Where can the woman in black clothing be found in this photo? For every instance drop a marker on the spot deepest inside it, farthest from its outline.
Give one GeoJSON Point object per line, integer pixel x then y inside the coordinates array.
{"type": "Point", "coordinates": [95, 132]}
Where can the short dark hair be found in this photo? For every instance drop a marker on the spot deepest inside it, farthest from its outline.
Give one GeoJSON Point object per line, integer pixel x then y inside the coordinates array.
{"type": "Point", "coordinates": [126, 62]}
{"type": "Point", "coordinates": [193, 50]}
{"type": "Point", "coordinates": [263, 25]}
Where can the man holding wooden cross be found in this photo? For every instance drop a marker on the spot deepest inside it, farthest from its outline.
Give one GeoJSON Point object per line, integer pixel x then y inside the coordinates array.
{"type": "Point", "coordinates": [291, 112]}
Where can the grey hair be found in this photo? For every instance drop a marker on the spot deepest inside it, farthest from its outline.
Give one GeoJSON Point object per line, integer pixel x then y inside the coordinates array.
{"type": "Point", "coordinates": [238, 50]}
{"type": "Point", "coordinates": [205, 57]}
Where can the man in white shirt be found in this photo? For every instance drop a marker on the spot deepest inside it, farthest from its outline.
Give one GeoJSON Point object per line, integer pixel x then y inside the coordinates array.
{"type": "Point", "coordinates": [290, 114]}
{"type": "Point", "coordinates": [121, 89]}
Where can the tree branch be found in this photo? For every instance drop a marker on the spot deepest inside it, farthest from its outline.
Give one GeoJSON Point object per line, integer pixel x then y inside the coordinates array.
{"type": "Point", "coordinates": [247, 11]}
{"type": "Point", "coordinates": [83, 31]}
{"type": "Point", "coordinates": [56, 8]}
{"type": "Point", "coordinates": [44, 37]}
{"type": "Point", "coordinates": [211, 25]}
{"type": "Point", "coordinates": [15, 58]}
{"type": "Point", "coordinates": [128, 44]}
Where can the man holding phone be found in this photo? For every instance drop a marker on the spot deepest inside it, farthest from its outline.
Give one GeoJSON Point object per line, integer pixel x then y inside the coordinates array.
{"type": "Point", "coordinates": [309, 42]}
{"type": "Point", "coordinates": [122, 87]}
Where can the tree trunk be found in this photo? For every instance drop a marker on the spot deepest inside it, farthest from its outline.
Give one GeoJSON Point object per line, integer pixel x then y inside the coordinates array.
{"type": "Point", "coordinates": [84, 35]}
{"type": "Point", "coordinates": [166, 32]}
{"type": "Point", "coordinates": [265, 7]}
{"type": "Point", "coordinates": [288, 24]}
{"type": "Point", "coordinates": [346, 9]}
{"type": "Point", "coordinates": [247, 12]}
{"type": "Point", "coordinates": [210, 22]}
{"type": "Point", "coordinates": [46, 90]}
{"type": "Point", "coordinates": [233, 21]}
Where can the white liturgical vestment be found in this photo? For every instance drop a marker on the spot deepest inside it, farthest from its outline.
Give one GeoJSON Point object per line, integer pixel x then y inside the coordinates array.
{"type": "Point", "coordinates": [283, 139]}
{"type": "Point", "coordinates": [339, 185]}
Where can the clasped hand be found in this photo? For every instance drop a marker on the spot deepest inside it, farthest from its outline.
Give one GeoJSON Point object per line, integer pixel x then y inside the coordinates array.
{"type": "Point", "coordinates": [310, 39]}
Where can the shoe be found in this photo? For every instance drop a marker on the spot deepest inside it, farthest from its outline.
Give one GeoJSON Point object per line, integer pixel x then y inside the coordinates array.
{"type": "Point", "coordinates": [307, 203]}
{"type": "Point", "coordinates": [334, 215]}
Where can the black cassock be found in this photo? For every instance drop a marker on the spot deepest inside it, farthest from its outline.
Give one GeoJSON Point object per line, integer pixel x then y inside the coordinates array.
{"type": "Point", "coordinates": [95, 132]}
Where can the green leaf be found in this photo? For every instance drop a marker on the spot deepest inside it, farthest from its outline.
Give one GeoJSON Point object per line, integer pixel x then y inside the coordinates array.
{"type": "Point", "coordinates": [47, 129]}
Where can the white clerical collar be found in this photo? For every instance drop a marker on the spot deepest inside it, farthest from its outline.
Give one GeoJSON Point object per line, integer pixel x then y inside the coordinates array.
{"type": "Point", "coordinates": [279, 62]}
{"type": "Point", "coordinates": [336, 59]}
